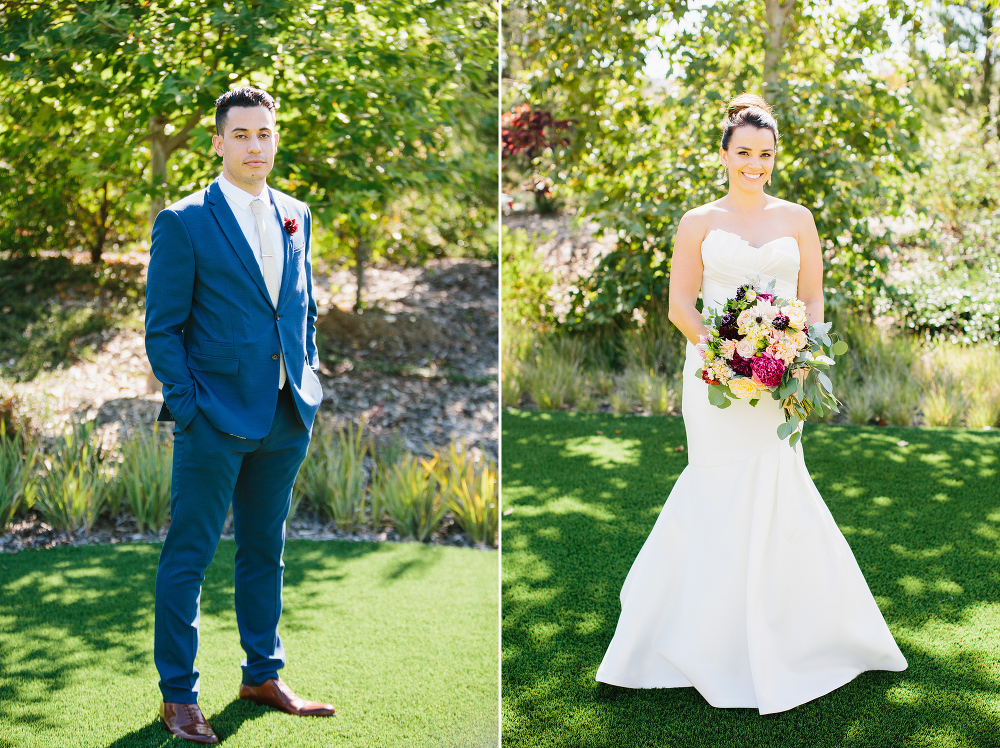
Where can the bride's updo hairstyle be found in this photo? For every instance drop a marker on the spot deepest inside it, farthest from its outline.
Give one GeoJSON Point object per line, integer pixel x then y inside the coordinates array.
{"type": "Point", "coordinates": [748, 109]}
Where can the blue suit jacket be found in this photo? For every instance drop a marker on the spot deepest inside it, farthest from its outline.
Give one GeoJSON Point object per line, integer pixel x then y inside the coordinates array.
{"type": "Point", "coordinates": [212, 334]}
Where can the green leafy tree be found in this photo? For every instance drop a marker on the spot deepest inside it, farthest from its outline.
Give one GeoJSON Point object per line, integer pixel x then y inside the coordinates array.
{"type": "Point", "coordinates": [644, 154]}
{"type": "Point", "coordinates": [392, 101]}
{"type": "Point", "coordinates": [127, 83]}
{"type": "Point", "coordinates": [955, 45]}
{"type": "Point", "coordinates": [376, 101]}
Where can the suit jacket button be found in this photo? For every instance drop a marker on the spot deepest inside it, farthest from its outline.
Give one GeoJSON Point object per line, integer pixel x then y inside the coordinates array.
{"type": "Point", "coordinates": [274, 356]}
{"type": "Point", "coordinates": [277, 316]}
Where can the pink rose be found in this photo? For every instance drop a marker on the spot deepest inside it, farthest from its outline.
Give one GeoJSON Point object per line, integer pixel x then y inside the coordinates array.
{"type": "Point", "coordinates": [746, 348]}
{"type": "Point", "coordinates": [743, 321]}
{"type": "Point", "coordinates": [767, 370]}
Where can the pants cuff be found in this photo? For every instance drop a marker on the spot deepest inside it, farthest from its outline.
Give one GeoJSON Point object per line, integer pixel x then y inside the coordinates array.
{"type": "Point", "coordinates": [178, 696]}
{"type": "Point", "coordinates": [258, 680]}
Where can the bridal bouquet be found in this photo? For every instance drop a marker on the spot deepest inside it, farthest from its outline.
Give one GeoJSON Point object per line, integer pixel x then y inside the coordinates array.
{"type": "Point", "coordinates": [759, 344]}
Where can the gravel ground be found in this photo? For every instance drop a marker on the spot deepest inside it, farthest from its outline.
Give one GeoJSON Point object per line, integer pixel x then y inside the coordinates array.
{"type": "Point", "coordinates": [569, 248]}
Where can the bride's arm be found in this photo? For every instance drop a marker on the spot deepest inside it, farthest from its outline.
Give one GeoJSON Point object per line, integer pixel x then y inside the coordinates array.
{"type": "Point", "coordinates": [685, 279]}
{"type": "Point", "coordinates": [810, 289]}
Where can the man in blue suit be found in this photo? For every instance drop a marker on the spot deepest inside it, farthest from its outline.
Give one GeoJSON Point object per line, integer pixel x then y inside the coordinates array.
{"type": "Point", "coordinates": [230, 331]}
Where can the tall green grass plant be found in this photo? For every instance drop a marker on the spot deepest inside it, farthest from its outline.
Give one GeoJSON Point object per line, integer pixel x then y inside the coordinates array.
{"type": "Point", "coordinates": [409, 493]}
{"type": "Point", "coordinates": [332, 476]}
{"type": "Point", "coordinates": [470, 492]}
{"type": "Point", "coordinates": [18, 456]}
{"type": "Point", "coordinates": [143, 480]}
{"type": "Point", "coordinates": [74, 488]}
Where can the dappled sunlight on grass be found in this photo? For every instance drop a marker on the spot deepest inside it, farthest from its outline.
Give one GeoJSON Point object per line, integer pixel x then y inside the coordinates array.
{"type": "Point", "coordinates": [399, 637]}
{"type": "Point", "coordinates": [604, 451]}
{"type": "Point", "coordinates": [922, 519]}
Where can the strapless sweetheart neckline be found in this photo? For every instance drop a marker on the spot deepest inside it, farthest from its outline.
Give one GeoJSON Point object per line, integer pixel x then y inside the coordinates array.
{"type": "Point", "coordinates": [772, 241]}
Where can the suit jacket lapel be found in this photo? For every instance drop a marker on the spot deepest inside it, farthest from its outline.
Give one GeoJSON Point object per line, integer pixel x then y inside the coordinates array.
{"type": "Point", "coordinates": [224, 215]}
{"type": "Point", "coordinates": [286, 244]}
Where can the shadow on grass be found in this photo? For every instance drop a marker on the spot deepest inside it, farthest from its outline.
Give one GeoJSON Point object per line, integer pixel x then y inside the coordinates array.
{"type": "Point", "coordinates": [225, 724]}
{"type": "Point", "coordinates": [92, 607]}
{"type": "Point", "coordinates": [922, 519]}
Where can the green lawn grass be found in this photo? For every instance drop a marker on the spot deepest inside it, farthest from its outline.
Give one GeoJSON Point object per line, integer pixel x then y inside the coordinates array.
{"type": "Point", "coordinates": [400, 638]}
{"type": "Point", "coordinates": [923, 521]}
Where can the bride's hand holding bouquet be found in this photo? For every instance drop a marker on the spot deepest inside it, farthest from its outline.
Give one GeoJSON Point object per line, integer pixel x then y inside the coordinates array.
{"type": "Point", "coordinates": [758, 343]}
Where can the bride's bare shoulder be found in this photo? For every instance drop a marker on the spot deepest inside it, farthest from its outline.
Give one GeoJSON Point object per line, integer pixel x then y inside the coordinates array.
{"type": "Point", "coordinates": [697, 221]}
{"type": "Point", "coordinates": [793, 212]}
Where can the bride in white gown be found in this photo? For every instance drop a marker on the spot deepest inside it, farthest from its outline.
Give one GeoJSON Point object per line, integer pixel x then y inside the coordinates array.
{"type": "Point", "coordinates": [745, 588]}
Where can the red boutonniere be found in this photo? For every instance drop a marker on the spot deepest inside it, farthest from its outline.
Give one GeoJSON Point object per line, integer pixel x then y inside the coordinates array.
{"type": "Point", "coordinates": [291, 226]}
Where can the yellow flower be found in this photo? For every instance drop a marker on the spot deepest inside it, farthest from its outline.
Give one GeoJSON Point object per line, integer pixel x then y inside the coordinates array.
{"type": "Point", "coordinates": [796, 314]}
{"type": "Point", "coordinates": [743, 387]}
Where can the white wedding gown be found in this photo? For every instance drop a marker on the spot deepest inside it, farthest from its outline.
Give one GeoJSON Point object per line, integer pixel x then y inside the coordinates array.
{"type": "Point", "coordinates": [745, 588]}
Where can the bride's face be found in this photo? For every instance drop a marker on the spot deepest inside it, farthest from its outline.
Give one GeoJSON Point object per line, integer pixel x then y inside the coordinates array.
{"type": "Point", "coordinates": [749, 158]}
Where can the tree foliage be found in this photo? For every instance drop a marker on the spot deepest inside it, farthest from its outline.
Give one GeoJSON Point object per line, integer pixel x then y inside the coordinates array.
{"type": "Point", "coordinates": [954, 43]}
{"type": "Point", "coordinates": [645, 154]}
{"type": "Point", "coordinates": [378, 104]}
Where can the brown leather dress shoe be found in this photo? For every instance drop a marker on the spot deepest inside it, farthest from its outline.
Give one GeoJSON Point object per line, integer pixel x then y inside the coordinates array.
{"type": "Point", "coordinates": [276, 694]}
{"type": "Point", "coordinates": [187, 722]}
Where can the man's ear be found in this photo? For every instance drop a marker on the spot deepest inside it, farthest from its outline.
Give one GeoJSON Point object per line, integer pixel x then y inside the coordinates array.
{"type": "Point", "coordinates": [217, 144]}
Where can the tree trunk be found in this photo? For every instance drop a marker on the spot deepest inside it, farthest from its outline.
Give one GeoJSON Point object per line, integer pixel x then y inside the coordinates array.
{"type": "Point", "coordinates": [160, 148]}
{"type": "Point", "coordinates": [101, 226]}
{"type": "Point", "coordinates": [360, 258]}
{"type": "Point", "coordinates": [157, 164]}
{"type": "Point", "coordinates": [987, 90]}
{"type": "Point", "coordinates": [777, 19]}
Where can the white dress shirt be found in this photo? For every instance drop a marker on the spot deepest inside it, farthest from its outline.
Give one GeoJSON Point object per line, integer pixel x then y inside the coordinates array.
{"type": "Point", "coordinates": [239, 200]}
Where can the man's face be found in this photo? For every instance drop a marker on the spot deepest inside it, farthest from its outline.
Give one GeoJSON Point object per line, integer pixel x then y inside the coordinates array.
{"type": "Point", "coordinates": [247, 147]}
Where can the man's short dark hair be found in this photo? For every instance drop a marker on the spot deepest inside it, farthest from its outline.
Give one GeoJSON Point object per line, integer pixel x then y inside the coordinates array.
{"type": "Point", "coordinates": [246, 96]}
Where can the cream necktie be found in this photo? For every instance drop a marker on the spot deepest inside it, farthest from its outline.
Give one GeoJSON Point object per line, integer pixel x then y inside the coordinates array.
{"type": "Point", "coordinates": [270, 271]}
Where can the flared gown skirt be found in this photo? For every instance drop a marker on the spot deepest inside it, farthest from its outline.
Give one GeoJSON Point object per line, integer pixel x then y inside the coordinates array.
{"type": "Point", "coordinates": [745, 588]}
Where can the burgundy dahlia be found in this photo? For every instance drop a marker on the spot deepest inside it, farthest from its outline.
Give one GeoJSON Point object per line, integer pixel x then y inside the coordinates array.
{"type": "Point", "coordinates": [780, 322]}
{"type": "Point", "coordinates": [767, 370]}
{"type": "Point", "coordinates": [741, 365]}
{"type": "Point", "coordinates": [730, 333]}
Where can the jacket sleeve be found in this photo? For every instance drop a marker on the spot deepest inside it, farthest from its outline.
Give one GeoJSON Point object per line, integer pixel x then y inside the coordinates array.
{"type": "Point", "coordinates": [169, 294]}
{"type": "Point", "coordinates": [312, 356]}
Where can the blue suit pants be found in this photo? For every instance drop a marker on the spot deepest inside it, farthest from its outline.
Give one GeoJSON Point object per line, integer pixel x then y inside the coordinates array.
{"type": "Point", "coordinates": [212, 469]}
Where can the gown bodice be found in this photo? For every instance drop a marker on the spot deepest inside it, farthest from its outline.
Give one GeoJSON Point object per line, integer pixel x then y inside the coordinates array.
{"type": "Point", "coordinates": [729, 261]}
